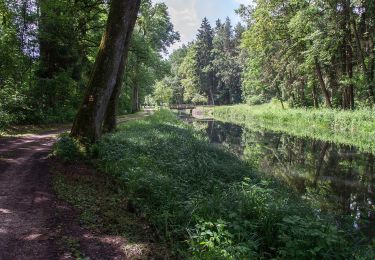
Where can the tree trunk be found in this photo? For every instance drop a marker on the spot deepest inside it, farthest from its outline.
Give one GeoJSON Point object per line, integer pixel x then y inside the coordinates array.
{"type": "Point", "coordinates": [349, 59]}
{"type": "Point", "coordinates": [350, 73]}
{"type": "Point", "coordinates": [348, 98]}
{"type": "Point", "coordinates": [366, 73]}
{"type": "Point", "coordinates": [110, 122]}
{"type": "Point", "coordinates": [322, 83]}
{"type": "Point", "coordinates": [211, 87]}
{"type": "Point", "coordinates": [280, 96]}
{"type": "Point", "coordinates": [88, 124]}
{"type": "Point", "coordinates": [315, 96]}
{"type": "Point", "coordinates": [302, 93]}
{"type": "Point", "coordinates": [135, 99]}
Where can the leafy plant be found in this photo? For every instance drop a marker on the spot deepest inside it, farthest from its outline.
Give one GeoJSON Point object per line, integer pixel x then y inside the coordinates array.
{"type": "Point", "coordinates": [68, 149]}
{"type": "Point", "coordinates": [311, 239]}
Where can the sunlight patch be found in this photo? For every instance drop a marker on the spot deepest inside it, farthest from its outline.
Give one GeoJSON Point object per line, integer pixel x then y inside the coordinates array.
{"type": "Point", "coordinates": [32, 237]}
{"type": "Point", "coordinates": [5, 211]}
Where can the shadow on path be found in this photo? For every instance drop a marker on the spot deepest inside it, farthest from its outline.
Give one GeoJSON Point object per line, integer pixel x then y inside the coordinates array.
{"type": "Point", "coordinates": [33, 223]}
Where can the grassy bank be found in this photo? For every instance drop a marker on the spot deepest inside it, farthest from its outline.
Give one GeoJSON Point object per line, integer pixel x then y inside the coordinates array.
{"type": "Point", "coordinates": [355, 128]}
{"type": "Point", "coordinates": [103, 209]}
{"type": "Point", "coordinates": [22, 130]}
{"type": "Point", "coordinates": [207, 203]}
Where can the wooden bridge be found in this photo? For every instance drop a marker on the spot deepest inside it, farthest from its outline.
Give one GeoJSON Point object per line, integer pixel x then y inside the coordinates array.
{"type": "Point", "coordinates": [186, 106]}
{"type": "Point", "coordinates": [182, 106]}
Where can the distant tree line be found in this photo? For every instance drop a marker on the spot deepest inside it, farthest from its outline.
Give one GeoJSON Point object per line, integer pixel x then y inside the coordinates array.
{"type": "Point", "coordinates": [207, 70]}
{"type": "Point", "coordinates": [304, 53]}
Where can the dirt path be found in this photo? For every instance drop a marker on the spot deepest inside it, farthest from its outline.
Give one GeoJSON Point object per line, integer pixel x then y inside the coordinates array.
{"type": "Point", "coordinates": [26, 199]}
{"type": "Point", "coordinates": [34, 224]}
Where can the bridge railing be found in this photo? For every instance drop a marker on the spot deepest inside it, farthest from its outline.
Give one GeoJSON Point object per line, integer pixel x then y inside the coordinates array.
{"type": "Point", "coordinates": [186, 106]}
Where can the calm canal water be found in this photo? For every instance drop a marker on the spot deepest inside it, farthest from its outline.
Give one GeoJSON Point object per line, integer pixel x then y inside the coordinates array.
{"type": "Point", "coordinates": [334, 178]}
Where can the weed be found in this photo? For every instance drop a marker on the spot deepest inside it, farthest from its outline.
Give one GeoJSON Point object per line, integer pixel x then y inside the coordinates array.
{"type": "Point", "coordinates": [73, 246]}
{"type": "Point", "coordinates": [102, 207]}
{"type": "Point", "coordinates": [68, 149]}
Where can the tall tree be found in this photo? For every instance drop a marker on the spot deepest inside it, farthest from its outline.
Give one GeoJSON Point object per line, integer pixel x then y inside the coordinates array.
{"type": "Point", "coordinates": [226, 64]}
{"type": "Point", "coordinates": [110, 121]}
{"type": "Point", "coordinates": [89, 121]}
{"type": "Point", "coordinates": [153, 33]}
{"type": "Point", "coordinates": [306, 52]}
{"type": "Point", "coordinates": [188, 76]}
{"type": "Point", "coordinates": [204, 47]}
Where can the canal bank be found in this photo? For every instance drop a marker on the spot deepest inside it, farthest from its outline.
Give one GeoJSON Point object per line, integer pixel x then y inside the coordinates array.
{"type": "Point", "coordinates": [333, 178]}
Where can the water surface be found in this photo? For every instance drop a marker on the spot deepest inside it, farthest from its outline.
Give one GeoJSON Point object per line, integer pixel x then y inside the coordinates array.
{"type": "Point", "coordinates": [333, 178]}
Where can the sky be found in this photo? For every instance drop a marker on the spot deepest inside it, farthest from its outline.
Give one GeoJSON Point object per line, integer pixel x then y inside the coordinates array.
{"type": "Point", "coordinates": [187, 15]}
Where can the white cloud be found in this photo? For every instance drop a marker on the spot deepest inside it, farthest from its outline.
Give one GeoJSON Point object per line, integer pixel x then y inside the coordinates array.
{"type": "Point", "coordinates": [245, 2]}
{"type": "Point", "coordinates": [187, 15]}
{"type": "Point", "coordinates": [184, 15]}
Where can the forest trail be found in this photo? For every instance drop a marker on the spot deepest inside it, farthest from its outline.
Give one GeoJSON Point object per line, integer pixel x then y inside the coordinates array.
{"type": "Point", "coordinates": [34, 223]}
{"type": "Point", "coordinates": [26, 199]}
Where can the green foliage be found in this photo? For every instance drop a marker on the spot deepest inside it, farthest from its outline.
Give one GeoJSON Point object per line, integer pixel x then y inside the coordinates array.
{"type": "Point", "coordinates": [5, 119]}
{"type": "Point", "coordinates": [208, 70]}
{"type": "Point", "coordinates": [46, 54]}
{"type": "Point", "coordinates": [188, 76]}
{"type": "Point", "coordinates": [48, 49]}
{"type": "Point", "coordinates": [199, 193]}
{"type": "Point", "coordinates": [163, 92]}
{"type": "Point", "coordinates": [311, 239]}
{"type": "Point", "coordinates": [68, 149]}
{"type": "Point", "coordinates": [305, 52]}
{"type": "Point", "coordinates": [214, 241]}
{"type": "Point", "coordinates": [102, 208]}
{"type": "Point", "coordinates": [72, 246]}
{"type": "Point", "coordinates": [153, 34]}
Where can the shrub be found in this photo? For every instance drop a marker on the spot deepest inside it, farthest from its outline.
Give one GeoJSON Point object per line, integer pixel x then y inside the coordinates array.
{"type": "Point", "coordinates": [311, 239]}
{"type": "Point", "coordinates": [255, 100]}
{"type": "Point", "coordinates": [68, 149]}
{"type": "Point", "coordinates": [5, 119]}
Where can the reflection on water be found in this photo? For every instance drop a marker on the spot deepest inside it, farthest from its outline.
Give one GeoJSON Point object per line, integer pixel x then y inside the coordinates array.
{"type": "Point", "coordinates": [333, 178]}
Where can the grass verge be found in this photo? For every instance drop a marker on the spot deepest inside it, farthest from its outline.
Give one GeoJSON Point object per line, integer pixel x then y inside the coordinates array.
{"type": "Point", "coordinates": [356, 128]}
{"type": "Point", "coordinates": [208, 204]}
{"type": "Point", "coordinates": [24, 130]}
{"type": "Point", "coordinates": [103, 208]}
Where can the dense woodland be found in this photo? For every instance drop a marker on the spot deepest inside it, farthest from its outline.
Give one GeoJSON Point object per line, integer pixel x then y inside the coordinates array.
{"type": "Point", "coordinates": [48, 50]}
{"type": "Point", "coordinates": [305, 53]}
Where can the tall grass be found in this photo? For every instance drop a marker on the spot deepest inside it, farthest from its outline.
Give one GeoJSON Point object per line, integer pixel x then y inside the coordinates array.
{"type": "Point", "coordinates": [356, 128]}
{"type": "Point", "coordinates": [207, 203]}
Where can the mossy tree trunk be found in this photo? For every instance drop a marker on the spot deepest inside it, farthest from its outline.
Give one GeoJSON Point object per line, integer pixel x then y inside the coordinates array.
{"type": "Point", "coordinates": [88, 124]}
{"type": "Point", "coordinates": [322, 84]}
{"type": "Point", "coordinates": [110, 122]}
{"type": "Point", "coordinates": [135, 99]}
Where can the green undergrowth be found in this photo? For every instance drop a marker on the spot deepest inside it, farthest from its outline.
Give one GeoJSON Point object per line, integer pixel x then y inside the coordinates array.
{"type": "Point", "coordinates": [24, 130]}
{"type": "Point", "coordinates": [103, 208]}
{"type": "Point", "coordinates": [69, 149]}
{"type": "Point", "coordinates": [355, 128]}
{"type": "Point", "coordinates": [208, 204]}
